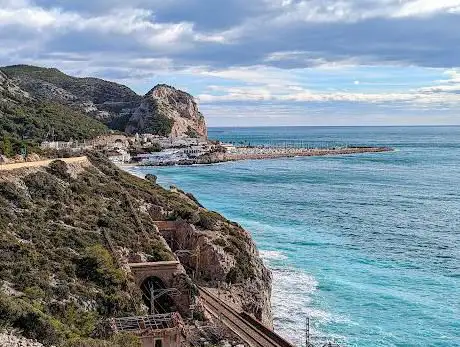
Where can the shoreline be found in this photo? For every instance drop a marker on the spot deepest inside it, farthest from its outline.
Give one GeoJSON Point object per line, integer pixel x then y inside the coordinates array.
{"type": "Point", "coordinates": [248, 153]}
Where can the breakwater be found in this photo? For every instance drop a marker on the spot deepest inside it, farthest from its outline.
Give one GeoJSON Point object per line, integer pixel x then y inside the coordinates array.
{"type": "Point", "coordinates": [259, 153]}
{"type": "Point", "coordinates": [245, 153]}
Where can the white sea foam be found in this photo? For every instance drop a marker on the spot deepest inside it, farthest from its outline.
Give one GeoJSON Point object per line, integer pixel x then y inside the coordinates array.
{"type": "Point", "coordinates": [292, 294]}
{"type": "Point", "coordinates": [133, 170]}
{"type": "Point", "coordinates": [267, 255]}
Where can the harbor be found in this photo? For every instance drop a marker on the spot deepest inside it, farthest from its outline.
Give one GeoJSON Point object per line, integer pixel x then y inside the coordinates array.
{"type": "Point", "coordinates": [226, 153]}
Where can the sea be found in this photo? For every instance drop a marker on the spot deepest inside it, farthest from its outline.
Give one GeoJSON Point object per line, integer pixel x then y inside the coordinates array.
{"type": "Point", "coordinates": [367, 246]}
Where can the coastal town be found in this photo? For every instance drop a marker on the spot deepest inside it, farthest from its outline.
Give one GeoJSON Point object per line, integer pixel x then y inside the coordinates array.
{"type": "Point", "coordinates": [154, 150]}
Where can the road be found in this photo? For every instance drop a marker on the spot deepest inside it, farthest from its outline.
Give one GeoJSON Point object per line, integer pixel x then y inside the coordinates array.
{"type": "Point", "coordinates": [252, 332]}
{"type": "Point", "coordinates": [32, 164]}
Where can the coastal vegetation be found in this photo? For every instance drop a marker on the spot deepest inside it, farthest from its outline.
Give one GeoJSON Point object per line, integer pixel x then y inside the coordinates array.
{"type": "Point", "coordinates": [158, 123]}
{"type": "Point", "coordinates": [25, 122]}
{"type": "Point", "coordinates": [33, 122]}
{"type": "Point", "coordinates": [60, 279]}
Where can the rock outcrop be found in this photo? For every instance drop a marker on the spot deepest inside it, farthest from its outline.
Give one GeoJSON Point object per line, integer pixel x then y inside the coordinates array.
{"type": "Point", "coordinates": [219, 256]}
{"type": "Point", "coordinates": [166, 110]}
{"type": "Point", "coordinates": [10, 340]}
{"type": "Point", "coordinates": [9, 91]}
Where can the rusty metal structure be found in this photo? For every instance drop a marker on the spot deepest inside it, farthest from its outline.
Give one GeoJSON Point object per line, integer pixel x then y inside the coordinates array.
{"type": "Point", "coordinates": [159, 330]}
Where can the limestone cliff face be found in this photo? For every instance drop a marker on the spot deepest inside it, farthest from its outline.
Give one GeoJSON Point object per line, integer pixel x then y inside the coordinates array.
{"type": "Point", "coordinates": [9, 90]}
{"type": "Point", "coordinates": [222, 257]}
{"type": "Point", "coordinates": [168, 111]}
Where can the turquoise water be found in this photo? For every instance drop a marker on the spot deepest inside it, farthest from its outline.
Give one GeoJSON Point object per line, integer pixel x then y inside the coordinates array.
{"type": "Point", "coordinates": [366, 245]}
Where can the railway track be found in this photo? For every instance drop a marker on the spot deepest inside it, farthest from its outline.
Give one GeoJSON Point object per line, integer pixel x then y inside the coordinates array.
{"type": "Point", "coordinates": [247, 328]}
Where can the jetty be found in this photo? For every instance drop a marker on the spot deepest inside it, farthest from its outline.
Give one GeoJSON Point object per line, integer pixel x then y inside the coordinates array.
{"type": "Point", "coordinates": [262, 152]}
{"type": "Point", "coordinates": [244, 153]}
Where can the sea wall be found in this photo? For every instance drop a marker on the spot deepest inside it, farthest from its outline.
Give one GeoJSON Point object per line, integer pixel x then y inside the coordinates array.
{"type": "Point", "coordinates": [248, 153]}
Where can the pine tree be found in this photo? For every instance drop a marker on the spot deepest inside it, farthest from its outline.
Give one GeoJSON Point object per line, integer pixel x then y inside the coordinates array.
{"type": "Point", "coordinates": [7, 147]}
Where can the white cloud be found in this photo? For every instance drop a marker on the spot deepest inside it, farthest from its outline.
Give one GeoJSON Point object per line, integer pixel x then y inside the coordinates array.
{"type": "Point", "coordinates": [264, 84]}
{"type": "Point", "coordinates": [35, 18]}
{"type": "Point", "coordinates": [259, 74]}
{"type": "Point", "coordinates": [325, 11]}
{"type": "Point", "coordinates": [421, 99]}
{"type": "Point", "coordinates": [427, 7]}
{"type": "Point", "coordinates": [136, 23]}
{"type": "Point", "coordinates": [450, 85]}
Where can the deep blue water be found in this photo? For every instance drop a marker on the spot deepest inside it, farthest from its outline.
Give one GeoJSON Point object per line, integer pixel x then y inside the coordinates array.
{"type": "Point", "coordinates": [366, 245]}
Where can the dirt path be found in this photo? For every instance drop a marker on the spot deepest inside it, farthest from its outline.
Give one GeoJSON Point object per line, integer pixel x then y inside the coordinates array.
{"type": "Point", "coordinates": [9, 167]}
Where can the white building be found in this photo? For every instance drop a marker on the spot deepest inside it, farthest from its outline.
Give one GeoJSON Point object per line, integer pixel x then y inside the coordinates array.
{"type": "Point", "coordinates": [228, 147]}
{"type": "Point", "coordinates": [120, 156]}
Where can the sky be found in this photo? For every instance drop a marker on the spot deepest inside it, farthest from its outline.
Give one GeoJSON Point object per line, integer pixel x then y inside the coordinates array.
{"type": "Point", "coordinates": [257, 62]}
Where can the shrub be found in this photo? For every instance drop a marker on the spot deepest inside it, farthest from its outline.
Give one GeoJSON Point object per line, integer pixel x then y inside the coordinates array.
{"type": "Point", "coordinates": [44, 186]}
{"type": "Point", "coordinates": [18, 314]}
{"type": "Point", "coordinates": [151, 178]}
{"type": "Point", "coordinates": [191, 132]}
{"type": "Point", "coordinates": [97, 265]}
{"type": "Point", "coordinates": [195, 200]}
{"type": "Point", "coordinates": [6, 147]}
{"type": "Point", "coordinates": [209, 220]}
{"type": "Point", "coordinates": [159, 124]}
{"type": "Point", "coordinates": [58, 168]}
{"type": "Point", "coordinates": [220, 242]}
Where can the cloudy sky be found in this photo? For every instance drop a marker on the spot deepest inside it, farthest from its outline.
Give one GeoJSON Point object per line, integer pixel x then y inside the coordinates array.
{"type": "Point", "coordinates": [257, 62]}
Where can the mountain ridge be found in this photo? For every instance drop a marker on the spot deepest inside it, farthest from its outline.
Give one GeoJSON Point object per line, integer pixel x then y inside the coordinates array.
{"type": "Point", "coordinates": [111, 103]}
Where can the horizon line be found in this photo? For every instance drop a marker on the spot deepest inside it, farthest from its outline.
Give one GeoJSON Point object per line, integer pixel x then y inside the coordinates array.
{"type": "Point", "coordinates": [338, 126]}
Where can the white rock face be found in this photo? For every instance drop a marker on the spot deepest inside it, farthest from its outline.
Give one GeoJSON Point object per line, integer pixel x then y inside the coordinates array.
{"type": "Point", "coordinates": [215, 262]}
{"type": "Point", "coordinates": [9, 340]}
{"type": "Point", "coordinates": [167, 102]}
{"type": "Point", "coordinates": [7, 86]}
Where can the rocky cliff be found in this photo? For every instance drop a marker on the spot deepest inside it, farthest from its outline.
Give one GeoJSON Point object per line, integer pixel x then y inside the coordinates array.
{"type": "Point", "coordinates": [164, 110]}
{"type": "Point", "coordinates": [221, 254]}
{"type": "Point", "coordinates": [67, 230]}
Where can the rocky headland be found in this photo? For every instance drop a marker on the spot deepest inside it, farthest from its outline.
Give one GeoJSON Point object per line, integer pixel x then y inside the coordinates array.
{"type": "Point", "coordinates": [166, 111]}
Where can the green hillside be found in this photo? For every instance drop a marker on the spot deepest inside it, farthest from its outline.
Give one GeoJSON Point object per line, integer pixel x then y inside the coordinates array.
{"type": "Point", "coordinates": [25, 120]}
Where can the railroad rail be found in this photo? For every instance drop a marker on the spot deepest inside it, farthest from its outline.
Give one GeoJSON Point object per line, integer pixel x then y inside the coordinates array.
{"type": "Point", "coordinates": [251, 331]}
